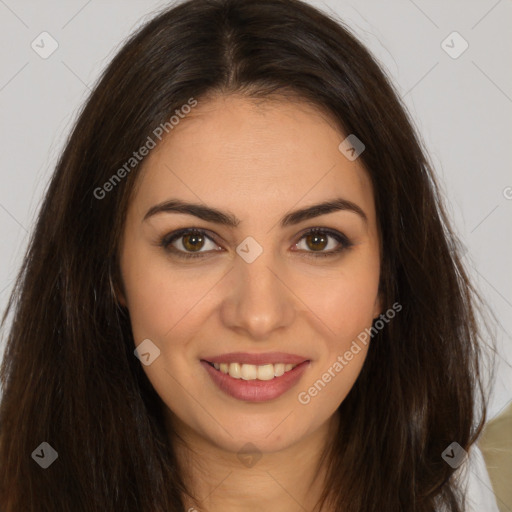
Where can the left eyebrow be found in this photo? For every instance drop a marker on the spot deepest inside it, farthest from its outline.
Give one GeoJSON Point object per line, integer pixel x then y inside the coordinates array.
{"type": "Point", "coordinates": [229, 219]}
{"type": "Point", "coordinates": [316, 210]}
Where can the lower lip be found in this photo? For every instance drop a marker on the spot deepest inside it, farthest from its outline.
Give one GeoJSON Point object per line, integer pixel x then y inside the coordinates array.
{"type": "Point", "coordinates": [256, 390]}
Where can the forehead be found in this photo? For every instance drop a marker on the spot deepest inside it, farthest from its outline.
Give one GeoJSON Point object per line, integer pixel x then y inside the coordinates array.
{"type": "Point", "coordinates": [237, 151]}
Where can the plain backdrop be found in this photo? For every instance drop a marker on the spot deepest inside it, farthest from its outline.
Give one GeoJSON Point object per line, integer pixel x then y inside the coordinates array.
{"type": "Point", "coordinates": [461, 104]}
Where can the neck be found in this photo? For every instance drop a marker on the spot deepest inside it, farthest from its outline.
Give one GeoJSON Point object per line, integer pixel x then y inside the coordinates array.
{"type": "Point", "coordinates": [288, 480]}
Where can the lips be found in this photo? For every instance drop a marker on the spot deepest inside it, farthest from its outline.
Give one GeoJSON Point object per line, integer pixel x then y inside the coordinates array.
{"type": "Point", "coordinates": [251, 388]}
{"type": "Point", "coordinates": [256, 359]}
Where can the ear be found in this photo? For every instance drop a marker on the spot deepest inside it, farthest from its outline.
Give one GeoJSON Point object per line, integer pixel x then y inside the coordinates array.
{"type": "Point", "coordinates": [119, 296]}
{"type": "Point", "coordinates": [116, 288]}
{"type": "Point", "coordinates": [377, 308]}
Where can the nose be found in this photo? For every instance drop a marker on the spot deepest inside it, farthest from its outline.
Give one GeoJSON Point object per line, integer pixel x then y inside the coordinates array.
{"type": "Point", "coordinates": [260, 301]}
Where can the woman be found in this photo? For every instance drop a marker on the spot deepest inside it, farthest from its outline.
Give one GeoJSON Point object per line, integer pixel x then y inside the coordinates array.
{"type": "Point", "coordinates": [241, 291]}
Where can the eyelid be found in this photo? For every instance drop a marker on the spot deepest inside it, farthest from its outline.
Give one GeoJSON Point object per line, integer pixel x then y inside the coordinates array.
{"type": "Point", "coordinates": [168, 239]}
{"type": "Point", "coordinates": [344, 243]}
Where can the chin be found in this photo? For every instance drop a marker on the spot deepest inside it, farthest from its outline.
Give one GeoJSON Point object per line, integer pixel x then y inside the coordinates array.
{"type": "Point", "coordinates": [268, 433]}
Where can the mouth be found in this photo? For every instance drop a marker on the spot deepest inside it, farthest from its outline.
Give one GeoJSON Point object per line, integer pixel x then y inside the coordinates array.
{"type": "Point", "coordinates": [255, 382]}
{"type": "Point", "coordinates": [253, 372]}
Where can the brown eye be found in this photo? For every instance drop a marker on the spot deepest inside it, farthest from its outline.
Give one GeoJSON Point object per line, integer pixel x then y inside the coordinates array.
{"type": "Point", "coordinates": [316, 241]}
{"type": "Point", "coordinates": [193, 241]}
{"type": "Point", "coordinates": [188, 243]}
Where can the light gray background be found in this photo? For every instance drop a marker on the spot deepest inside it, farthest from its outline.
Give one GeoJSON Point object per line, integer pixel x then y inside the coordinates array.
{"type": "Point", "coordinates": [462, 108]}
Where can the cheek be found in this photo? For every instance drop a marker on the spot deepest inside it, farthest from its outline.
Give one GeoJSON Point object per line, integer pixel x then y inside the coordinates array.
{"type": "Point", "coordinates": [343, 301]}
{"type": "Point", "coordinates": [163, 301]}
{"type": "Point", "coordinates": [154, 305]}
{"type": "Point", "coordinates": [152, 308]}
{"type": "Point", "coordinates": [160, 298]}
{"type": "Point", "coordinates": [171, 305]}
{"type": "Point", "coordinates": [344, 307]}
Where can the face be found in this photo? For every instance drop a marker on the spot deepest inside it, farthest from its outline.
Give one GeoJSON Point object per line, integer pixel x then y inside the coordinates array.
{"type": "Point", "coordinates": [244, 277]}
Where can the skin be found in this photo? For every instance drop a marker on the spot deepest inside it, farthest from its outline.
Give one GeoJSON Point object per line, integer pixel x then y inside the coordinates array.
{"type": "Point", "coordinates": [259, 162]}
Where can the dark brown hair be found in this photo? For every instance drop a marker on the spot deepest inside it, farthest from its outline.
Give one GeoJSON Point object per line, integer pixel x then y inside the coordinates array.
{"type": "Point", "coordinates": [69, 375]}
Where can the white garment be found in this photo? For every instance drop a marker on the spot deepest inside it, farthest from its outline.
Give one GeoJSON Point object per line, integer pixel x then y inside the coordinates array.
{"type": "Point", "coordinates": [479, 493]}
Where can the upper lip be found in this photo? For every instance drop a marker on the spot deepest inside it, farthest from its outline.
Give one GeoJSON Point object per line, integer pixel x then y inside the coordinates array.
{"type": "Point", "coordinates": [257, 359]}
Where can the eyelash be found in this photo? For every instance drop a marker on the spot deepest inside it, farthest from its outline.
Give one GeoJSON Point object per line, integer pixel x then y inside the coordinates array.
{"type": "Point", "coordinates": [167, 240]}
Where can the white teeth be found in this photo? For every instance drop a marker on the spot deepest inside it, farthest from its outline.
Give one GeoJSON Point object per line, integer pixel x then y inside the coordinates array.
{"type": "Point", "coordinates": [249, 371]}
{"type": "Point", "coordinates": [278, 369]}
{"type": "Point", "coordinates": [235, 371]}
{"type": "Point", "coordinates": [266, 372]}
{"type": "Point", "coordinates": [253, 372]}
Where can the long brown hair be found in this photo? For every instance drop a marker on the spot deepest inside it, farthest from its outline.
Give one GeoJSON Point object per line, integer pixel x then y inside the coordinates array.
{"type": "Point", "coordinates": [69, 375]}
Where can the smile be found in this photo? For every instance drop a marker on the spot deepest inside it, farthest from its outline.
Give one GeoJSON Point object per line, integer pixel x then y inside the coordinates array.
{"type": "Point", "coordinates": [255, 383]}
{"type": "Point", "coordinates": [252, 371]}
